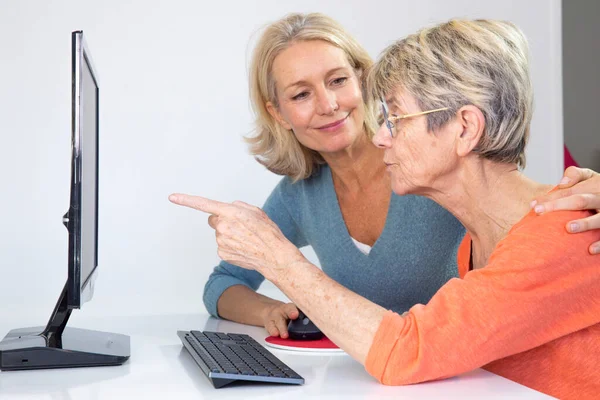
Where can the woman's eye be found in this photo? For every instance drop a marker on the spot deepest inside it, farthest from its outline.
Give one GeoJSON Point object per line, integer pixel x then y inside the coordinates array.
{"type": "Point", "coordinates": [339, 81]}
{"type": "Point", "coordinates": [300, 96]}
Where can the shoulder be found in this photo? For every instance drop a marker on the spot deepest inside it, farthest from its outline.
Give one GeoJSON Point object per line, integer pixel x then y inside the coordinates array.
{"type": "Point", "coordinates": [550, 225]}
{"type": "Point", "coordinates": [538, 239]}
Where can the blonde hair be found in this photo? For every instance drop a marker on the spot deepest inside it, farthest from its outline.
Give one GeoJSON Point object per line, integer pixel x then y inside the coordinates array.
{"type": "Point", "coordinates": [274, 146]}
{"type": "Point", "coordinates": [483, 62]}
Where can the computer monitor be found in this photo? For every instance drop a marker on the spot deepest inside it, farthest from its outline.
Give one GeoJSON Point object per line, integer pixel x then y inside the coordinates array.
{"type": "Point", "coordinates": [56, 346]}
{"type": "Point", "coordinates": [82, 218]}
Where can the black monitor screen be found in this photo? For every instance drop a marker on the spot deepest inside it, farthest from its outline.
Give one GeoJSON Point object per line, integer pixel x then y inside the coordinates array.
{"type": "Point", "coordinates": [83, 212]}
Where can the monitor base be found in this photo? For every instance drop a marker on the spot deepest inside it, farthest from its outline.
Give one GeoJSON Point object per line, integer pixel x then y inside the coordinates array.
{"type": "Point", "coordinates": [30, 348]}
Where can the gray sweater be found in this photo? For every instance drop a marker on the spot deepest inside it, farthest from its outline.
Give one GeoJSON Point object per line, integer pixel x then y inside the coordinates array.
{"type": "Point", "coordinates": [414, 256]}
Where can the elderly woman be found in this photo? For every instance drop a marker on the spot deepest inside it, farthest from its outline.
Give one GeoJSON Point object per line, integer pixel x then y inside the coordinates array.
{"type": "Point", "coordinates": [313, 127]}
{"type": "Point", "coordinates": [458, 105]}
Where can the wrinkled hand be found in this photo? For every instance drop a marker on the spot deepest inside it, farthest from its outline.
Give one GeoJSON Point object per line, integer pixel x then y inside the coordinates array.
{"type": "Point", "coordinates": [277, 317]}
{"type": "Point", "coordinates": [246, 236]}
{"type": "Point", "coordinates": [579, 190]}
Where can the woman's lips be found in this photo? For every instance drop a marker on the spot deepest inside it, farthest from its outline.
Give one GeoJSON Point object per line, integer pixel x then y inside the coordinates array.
{"type": "Point", "coordinates": [334, 125]}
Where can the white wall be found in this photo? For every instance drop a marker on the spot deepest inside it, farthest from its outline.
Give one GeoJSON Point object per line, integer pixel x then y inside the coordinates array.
{"type": "Point", "coordinates": [174, 109]}
{"type": "Point", "coordinates": [581, 56]}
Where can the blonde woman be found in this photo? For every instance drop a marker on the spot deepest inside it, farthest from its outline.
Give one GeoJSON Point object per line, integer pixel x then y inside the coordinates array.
{"type": "Point", "coordinates": [458, 105]}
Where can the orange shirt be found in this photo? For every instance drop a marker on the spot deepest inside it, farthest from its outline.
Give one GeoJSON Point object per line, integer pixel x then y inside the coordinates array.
{"type": "Point", "coordinates": [532, 315]}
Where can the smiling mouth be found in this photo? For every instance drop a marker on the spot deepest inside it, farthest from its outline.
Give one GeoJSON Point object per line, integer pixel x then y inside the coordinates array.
{"type": "Point", "coordinates": [334, 124]}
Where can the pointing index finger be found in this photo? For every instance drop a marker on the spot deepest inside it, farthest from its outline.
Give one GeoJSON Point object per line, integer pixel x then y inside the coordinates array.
{"type": "Point", "coordinates": [200, 203]}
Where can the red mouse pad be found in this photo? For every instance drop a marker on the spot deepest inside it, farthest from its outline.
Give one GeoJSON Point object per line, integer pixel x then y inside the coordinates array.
{"type": "Point", "coordinates": [321, 345]}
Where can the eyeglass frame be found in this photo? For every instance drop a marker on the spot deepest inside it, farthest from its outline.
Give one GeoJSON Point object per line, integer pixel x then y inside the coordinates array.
{"type": "Point", "coordinates": [389, 120]}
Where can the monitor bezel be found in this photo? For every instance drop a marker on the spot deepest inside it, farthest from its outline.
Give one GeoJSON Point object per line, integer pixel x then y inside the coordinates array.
{"type": "Point", "coordinates": [75, 287]}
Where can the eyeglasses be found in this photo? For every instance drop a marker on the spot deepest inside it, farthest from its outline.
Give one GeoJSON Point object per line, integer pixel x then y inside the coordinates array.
{"type": "Point", "coordinates": [389, 120]}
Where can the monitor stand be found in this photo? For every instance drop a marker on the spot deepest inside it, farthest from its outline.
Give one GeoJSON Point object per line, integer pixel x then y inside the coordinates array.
{"type": "Point", "coordinates": [57, 346]}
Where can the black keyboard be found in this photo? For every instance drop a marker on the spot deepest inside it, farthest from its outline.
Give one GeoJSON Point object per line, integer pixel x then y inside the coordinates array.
{"type": "Point", "coordinates": [225, 358]}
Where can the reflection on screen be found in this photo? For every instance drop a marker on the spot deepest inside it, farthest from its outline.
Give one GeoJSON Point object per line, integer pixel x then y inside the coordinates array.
{"type": "Point", "coordinates": [88, 143]}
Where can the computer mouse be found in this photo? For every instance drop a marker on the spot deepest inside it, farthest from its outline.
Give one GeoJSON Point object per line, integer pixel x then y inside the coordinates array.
{"type": "Point", "coordinates": [302, 328]}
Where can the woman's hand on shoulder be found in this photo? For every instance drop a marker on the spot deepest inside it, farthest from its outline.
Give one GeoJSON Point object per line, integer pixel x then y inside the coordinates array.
{"type": "Point", "coordinates": [578, 190]}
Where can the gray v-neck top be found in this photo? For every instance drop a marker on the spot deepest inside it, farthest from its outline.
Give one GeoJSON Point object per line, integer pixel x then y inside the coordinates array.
{"type": "Point", "coordinates": [414, 256]}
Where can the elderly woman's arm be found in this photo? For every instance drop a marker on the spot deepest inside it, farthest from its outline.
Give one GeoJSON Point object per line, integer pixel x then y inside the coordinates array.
{"type": "Point", "coordinates": [530, 294]}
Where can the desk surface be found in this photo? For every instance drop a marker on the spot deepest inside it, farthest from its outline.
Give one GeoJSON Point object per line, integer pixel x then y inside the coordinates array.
{"type": "Point", "coordinates": [159, 367]}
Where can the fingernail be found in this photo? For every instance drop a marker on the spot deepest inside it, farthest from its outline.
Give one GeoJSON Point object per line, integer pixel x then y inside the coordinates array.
{"type": "Point", "coordinates": [596, 249]}
{"type": "Point", "coordinates": [573, 227]}
{"type": "Point", "coordinates": [539, 209]}
{"type": "Point", "coordinates": [564, 181]}
{"type": "Point", "coordinates": [533, 203]}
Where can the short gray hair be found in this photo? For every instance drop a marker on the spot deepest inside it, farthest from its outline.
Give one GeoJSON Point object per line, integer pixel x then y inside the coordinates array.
{"type": "Point", "coordinates": [480, 62]}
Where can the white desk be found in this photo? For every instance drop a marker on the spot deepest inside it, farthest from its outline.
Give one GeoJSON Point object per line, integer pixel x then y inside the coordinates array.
{"type": "Point", "coordinates": [161, 368]}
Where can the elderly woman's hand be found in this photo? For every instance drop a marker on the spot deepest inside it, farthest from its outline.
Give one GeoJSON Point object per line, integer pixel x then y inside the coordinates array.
{"type": "Point", "coordinates": [246, 237]}
{"type": "Point", "coordinates": [578, 190]}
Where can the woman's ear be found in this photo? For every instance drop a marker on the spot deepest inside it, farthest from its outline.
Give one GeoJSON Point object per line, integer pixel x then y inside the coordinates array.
{"type": "Point", "coordinates": [274, 111]}
{"type": "Point", "coordinates": [472, 121]}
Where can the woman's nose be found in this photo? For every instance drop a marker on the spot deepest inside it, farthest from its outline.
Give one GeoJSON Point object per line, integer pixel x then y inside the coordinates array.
{"type": "Point", "coordinates": [326, 103]}
{"type": "Point", "coordinates": [382, 138]}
